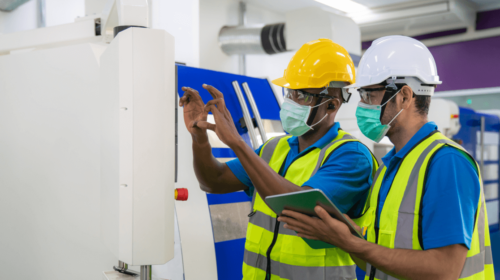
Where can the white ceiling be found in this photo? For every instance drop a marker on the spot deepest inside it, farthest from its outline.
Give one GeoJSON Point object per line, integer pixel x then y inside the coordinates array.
{"type": "Point", "coordinates": [283, 6]}
{"type": "Point", "coordinates": [378, 3]}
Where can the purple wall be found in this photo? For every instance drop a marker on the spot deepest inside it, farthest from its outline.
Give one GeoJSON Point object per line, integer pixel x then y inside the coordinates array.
{"type": "Point", "coordinates": [484, 20]}
{"type": "Point", "coordinates": [470, 64]}
{"type": "Point", "coordinates": [488, 19]}
{"type": "Point", "coordinates": [467, 65]}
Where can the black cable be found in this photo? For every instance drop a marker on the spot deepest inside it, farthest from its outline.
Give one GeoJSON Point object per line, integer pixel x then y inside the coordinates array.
{"type": "Point", "coordinates": [268, 254]}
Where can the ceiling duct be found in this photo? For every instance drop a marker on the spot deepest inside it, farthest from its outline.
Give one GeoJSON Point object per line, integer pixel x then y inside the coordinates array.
{"type": "Point", "coordinates": [301, 26]}
{"type": "Point", "coordinates": [268, 39]}
{"type": "Point", "coordinates": [10, 5]}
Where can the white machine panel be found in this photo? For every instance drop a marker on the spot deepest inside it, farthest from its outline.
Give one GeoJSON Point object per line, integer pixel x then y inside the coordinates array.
{"type": "Point", "coordinates": [445, 114]}
{"type": "Point", "coordinates": [138, 146]}
{"type": "Point", "coordinates": [49, 162]}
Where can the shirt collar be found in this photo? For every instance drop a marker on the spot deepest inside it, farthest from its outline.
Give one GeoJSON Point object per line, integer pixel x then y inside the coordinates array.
{"type": "Point", "coordinates": [321, 143]}
{"type": "Point", "coordinates": [423, 132]}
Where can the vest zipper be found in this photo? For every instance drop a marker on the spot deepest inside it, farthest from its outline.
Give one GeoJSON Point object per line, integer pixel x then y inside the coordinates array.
{"type": "Point", "coordinates": [373, 269]}
{"type": "Point", "coordinates": [252, 213]}
{"type": "Point", "coordinates": [268, 254]}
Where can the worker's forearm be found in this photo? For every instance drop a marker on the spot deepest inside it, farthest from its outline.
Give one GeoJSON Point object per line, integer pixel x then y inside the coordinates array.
{"type": "Point", "coordinates": [404, 264]}
{"type": "Point", "coordinates": [264, 178]}
{"type": "Point", "coordinates": [359, 262]}
{"type": "Point", "coordinates": [207, 168]}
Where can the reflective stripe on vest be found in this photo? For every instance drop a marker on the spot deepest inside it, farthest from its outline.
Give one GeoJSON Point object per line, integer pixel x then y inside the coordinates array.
{"type": "Point", "coordinates": [296, 259]}
{"type": "Point", "coordinates": [292, 272]}
{"type": "Point", "coordinates": [406, 234]}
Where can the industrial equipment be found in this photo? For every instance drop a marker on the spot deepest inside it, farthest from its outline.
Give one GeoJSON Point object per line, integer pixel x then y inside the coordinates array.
{"type": "Point", "coordinates": [93, 144]}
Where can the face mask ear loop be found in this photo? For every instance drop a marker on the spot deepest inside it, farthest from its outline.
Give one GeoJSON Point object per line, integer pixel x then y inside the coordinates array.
{"type": "Point", "coordinates": [320, 104]}
{"type": "Point", "coordinates": [318, 122]}
{"type": "Point", "coordinates": [314, 111]}
{"type": "Point", "coordinates": [390, 98]}
{"type": "Point", "coordinates": [395, 117]}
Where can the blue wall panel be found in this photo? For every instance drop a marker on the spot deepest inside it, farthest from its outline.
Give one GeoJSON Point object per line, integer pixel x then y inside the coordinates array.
{"type": "Point", "coordinates": [234, 197]}
{"type": "Point", "coordinates": [229, 256]}
{"type": "Point", "coordinates": [495, 248]}
{"type": "Point", "coordinates": [223, 153]}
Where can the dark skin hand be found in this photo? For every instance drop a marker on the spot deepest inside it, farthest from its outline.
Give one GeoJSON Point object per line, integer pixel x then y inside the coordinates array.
{"type": "Point", "coordinates": [440, 263]}
{"type": "Point", "coordinates": [216, 177]}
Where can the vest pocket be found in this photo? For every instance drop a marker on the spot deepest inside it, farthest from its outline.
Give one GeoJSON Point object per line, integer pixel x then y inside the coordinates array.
{"type": "Point", "coordinates": [366, 219]}
{"type": "Point", "coordinates": [297, 246]}
{"type": "Point", "coordinates": [386, 238]}
{"type": "Point", "coordinates": [254, 236]}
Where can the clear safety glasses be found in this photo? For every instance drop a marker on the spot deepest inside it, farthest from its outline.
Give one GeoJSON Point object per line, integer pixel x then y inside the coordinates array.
{"type": "Point", "coordinates": [371, 95]}
{"type": "Point", "coordinates": [302, 97]}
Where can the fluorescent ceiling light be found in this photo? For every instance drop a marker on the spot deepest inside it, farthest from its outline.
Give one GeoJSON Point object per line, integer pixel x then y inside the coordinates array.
{"type": "Point", "coordinates": [347, 6]}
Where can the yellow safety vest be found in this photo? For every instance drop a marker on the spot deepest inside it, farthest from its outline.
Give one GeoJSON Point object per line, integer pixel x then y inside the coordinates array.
{"type": "Point", "coordinates": [399, 219]}
{"type": "Point", "coordinates": [270, 246]}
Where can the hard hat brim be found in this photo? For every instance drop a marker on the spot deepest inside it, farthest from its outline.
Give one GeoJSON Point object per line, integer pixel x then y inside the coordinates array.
{"type": "Point", "coordinates": [378, 81]}
{"type": "Point", "coordinates": [282, 82]}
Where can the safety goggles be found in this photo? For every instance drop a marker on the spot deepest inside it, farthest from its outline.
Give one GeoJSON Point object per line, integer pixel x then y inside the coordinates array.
{"type": "Point", "coordinates": [371, 95]}
{"type": "Point", "coordinates": [303, 97]}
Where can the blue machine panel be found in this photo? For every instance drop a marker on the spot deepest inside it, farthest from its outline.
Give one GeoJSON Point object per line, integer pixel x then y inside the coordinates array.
{"type": "Point", "coordinates": [234, 197]}
{"type": "Point", "coordinates": [230, 259]}
{"type": "Point", "coordinates": [469, 138]}
{"type": "Point", "coordinates": [261, 90]}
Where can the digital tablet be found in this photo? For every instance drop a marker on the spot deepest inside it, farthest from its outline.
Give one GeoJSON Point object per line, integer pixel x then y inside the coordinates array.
{"type": "Point", "coordinates": [304, 202]}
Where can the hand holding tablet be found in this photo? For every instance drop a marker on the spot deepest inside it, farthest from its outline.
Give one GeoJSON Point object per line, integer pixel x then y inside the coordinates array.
{"type": "Point", "coordinates": [304, 202]}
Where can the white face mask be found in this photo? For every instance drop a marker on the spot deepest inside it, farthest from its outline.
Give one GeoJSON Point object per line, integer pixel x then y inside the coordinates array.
{"type": "Point", "coordinates": [294, 117]}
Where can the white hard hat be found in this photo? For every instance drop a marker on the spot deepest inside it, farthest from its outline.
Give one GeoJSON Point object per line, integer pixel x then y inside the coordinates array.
{"type": "Point", "coordinates": [397, 56]}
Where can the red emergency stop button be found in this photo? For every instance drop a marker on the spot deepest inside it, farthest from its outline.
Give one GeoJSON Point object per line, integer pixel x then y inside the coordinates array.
{"type": "Point", "coordinates": [181, 194]}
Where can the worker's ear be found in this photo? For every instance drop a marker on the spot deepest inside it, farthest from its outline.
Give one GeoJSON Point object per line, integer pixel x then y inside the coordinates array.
{"type": "Point", "coordinates": [333, 105]}
{"type": "Point", "coordinates": [406, 97]}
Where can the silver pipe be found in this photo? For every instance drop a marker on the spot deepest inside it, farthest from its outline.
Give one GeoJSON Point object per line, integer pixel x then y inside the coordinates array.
{"type": "Point", "coordinates": [242, 64]}
{"type": "Point", "coordinates": [246, 114]}
{"type": "Point", "coordinates": [242, 13]}
{"type": "Point", "coordinates": [146, 272]}
{"type": "Point", "coordinates": [240, 40]}
{"type": "Point", "coordinates": [41, 18]}
{"type": "Point", "coordinates": [482, 142]}
{"type": "Point", "coordinates": [267, 39]}
{"type": "Point", "coordinates": [255, 111]}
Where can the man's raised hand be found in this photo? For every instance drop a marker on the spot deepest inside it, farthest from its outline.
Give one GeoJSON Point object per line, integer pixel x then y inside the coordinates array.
{"type": "Point", "coordinates": [193, 113]}
{"type": "Point", "coordinates": [224, 125]}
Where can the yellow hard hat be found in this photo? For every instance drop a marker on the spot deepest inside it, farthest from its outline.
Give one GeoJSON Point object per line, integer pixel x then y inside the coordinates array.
{"type": "Point", "coordinates": [316, 64]}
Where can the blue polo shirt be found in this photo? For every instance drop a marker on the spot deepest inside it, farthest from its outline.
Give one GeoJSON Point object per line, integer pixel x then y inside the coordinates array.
{"type": "Point", "coordinates": [345, 177]}
{"type": "Point", "coordinates": [450, 193]}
